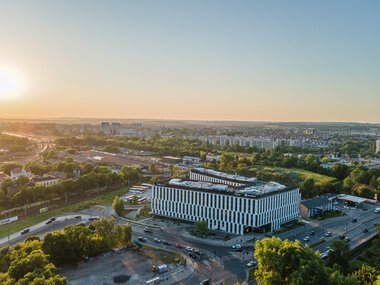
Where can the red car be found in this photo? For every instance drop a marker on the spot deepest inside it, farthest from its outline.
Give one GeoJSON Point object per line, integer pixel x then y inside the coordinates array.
{"type": "Point", "coordinates": [177, 245]}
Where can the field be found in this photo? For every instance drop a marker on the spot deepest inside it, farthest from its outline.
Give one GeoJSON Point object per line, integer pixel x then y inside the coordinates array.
{"type": "Point", "coordinates": [300, 173]}
{"type": "Point", "coordinates": [105, 200]}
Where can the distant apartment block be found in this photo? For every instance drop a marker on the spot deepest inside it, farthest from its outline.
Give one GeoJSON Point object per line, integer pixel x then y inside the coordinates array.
{"type": "Point", "coordinates": [377, 146]}
{"type": "Point", "coordinates": [228, 202]}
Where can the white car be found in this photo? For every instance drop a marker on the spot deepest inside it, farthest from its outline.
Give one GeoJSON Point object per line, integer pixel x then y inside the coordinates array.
{"type": "Point", "coordinates": [157, 240]}
{"type": "Point", "coordinates": [328, 234]}
{"type": "Point", "coordinates": [236, 246]}
{"type": "Point", "coordinates": [306, 239]}
{"type": "Point", "coordinates": [251, 263]}
{"type": "Point", "coordinates": [377, 210]}
{"type": "Point", "coordinates": [188, 248]}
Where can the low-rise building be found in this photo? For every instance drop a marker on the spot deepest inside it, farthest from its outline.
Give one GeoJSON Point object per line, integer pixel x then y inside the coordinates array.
{"type": "Point", "coordinates": [315, 206]}
{"type": "Point", "coordinates": [17, 172]}
{"type": "Point", "coordinates": [191, 160]}
{"type": "Point", "coordinates": [45, 181]}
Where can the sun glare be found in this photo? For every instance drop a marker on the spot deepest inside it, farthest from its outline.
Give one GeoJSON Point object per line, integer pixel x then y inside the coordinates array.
{"type": "Point", "coordinates": [12, 84]}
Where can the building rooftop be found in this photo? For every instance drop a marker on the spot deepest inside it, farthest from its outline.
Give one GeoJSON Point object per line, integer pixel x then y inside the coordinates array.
{"type": "Point", "coordinates": [316, 202]}
{"type": "Point", "coordinates": [260, 188]}
{"type": "Point", "coordinates": [224, 175]}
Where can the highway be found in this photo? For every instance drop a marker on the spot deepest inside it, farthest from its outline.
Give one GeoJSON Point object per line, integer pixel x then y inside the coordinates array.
{"type": "Point", "coordinates": [42, 144]}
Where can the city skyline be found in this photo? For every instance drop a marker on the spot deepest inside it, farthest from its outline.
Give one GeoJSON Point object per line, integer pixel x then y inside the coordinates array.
{"type": "Point", "coordinates": [215, 60]}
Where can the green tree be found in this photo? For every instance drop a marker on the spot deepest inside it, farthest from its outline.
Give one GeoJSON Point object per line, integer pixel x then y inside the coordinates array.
{"type": "Point", "coordinates": [118, 206]}
{"type": "Point", "coordinates": [366, 275]}
{"type": "Point", "coordinates": [202, 227]}
{"type": "Point", "coordinates": [339, 255]}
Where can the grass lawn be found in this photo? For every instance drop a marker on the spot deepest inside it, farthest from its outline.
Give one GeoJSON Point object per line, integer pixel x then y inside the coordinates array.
{"type": "Point", "coordinates": [161, 254]}
{"type": "Point", "coordinates": [329, 214]}
{"type": "Point", "coordinates": [302, 174]}
{"type": "Point", "coordinates": [105, 199]}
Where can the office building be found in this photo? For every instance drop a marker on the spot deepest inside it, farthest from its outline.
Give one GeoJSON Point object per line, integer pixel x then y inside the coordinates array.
{"type": "Point", "coordinates": [228, 202]}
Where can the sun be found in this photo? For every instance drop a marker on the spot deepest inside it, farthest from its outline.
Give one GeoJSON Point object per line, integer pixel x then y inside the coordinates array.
{"type": "Point", "coordinates": [12, 84]}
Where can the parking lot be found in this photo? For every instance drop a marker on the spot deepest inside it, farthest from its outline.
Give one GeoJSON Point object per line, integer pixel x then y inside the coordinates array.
{"type": "Point", "coordinates": [134, 265]}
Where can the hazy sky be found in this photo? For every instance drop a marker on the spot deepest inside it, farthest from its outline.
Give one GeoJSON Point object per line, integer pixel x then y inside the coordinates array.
{"type": "Point", "coordinates": [223, 60]}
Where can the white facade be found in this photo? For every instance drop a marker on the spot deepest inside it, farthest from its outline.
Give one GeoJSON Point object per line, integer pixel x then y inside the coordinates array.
{"type": "Point", "coordinates": [224, 210]}
{"type": "Point", "coordinates": [377, 146]}
{"type": "Point", "coordinates": [16, 173]}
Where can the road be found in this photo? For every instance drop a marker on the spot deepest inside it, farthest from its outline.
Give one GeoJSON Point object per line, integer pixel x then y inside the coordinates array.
{"type": "Point", "coordinates": [42, 144]}
{"type": "Point", "coordinates": [340, 226]}
{"type": "Point", "coordinates": [218, 262]}
{"type": "Point", "coordinates": [42, 228]}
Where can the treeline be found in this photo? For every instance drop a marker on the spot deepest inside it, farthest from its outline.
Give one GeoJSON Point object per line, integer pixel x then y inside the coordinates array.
{"type": "Point", "coordinates": [34, 262]}
{"type": "Point", "coordinates": [176, 146]}
{"type": "Point", "coordinates": [343, 177]}
{"type": "Point", "coordinates": [291, 263]}
{"type": "Point", "coordinates": [13, 143]}
{"type": "Point", "coordinates": [98, 177]}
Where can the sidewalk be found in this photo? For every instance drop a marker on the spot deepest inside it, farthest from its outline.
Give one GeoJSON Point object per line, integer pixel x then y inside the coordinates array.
{"type": "Point", "coordinates": [244, 240]}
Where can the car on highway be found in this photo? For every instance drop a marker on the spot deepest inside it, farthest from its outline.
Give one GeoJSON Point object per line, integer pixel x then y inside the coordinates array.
{"type": "Point", "coordinates": [157, 240]}
{"type": "Point", "coordinates": [252, 263]}
{"type": "Point", "coordinates": [188, 248]}
{"type": "Point", "coordinates": [236, 246]}
{"type": "Point", "coordinates": [94, 218]}
{"type": "Point", "coordinates": [78, 217]}
{"type": "Point", "coordinates": [342, 237]}
{"type": "Point", "coordinates": [25, 231]}
{"type": "Point", "coordinates": [147, 230]}
{"type": "Point", "coordinates": [205, 282]}
{"type": "Point", "coordinates": [165, 242]}
{"type": "Point", "coordinates": [142, 239]}
{"type": "Point", "coordinates": [365, 230]}
{"type": "Point", "coordinates": [178, 245]}
{"type": "Point", "coordinates": [328, 234]}
{"type": "Point", "coordinates": [306, 239]}
{"type": "Point", "coordinates": [354, 220]}
{"type": "Point", "coordinates": [377, 210]}
{"type": "Point", "coordinates": [312, 233]}
{"type": "Point", "coordinates": [48, 222]}
{"type": "Point", "coordinates": [347, 239]}
{"type": "Point", "coordinates": [192, 255]}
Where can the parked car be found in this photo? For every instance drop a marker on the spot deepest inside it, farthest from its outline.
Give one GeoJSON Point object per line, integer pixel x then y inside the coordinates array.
{"type": "Point", "coordinates": [328, 234]}
{"type": "Point", "coordinates": [48, 222]}
{"type": "Point", "coordinates": [157, 240]}
{"type": "Point", "coordinates": [312, 233]}
{"type": "Point", "coordinates": [192, 255]}
{"type": "Point", "coordinates": [342, 237]}
{"type": "Point", "coordinates": [188, 248]}
{"type": "Point", "coordinates": [178, 245]}
{"type": "Point", "coordinates": [306, 239]}
{"type": "Point", "coordinates": [347, 239]}
{"type": "Point", "coordinates": [236, 246]}
{"type": "Point", "coordinates": [365, 230]}
{"type": "Point", "coordinates": [166, 242]}
{"type": "Point", "coordinates": [78, 217]}
{"type": "Point", "coordinates": [377, 210]}
{"type": "Point", "coordinates": [354, 220]}
{"type": "Point", "coordinates": [25, 231]}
